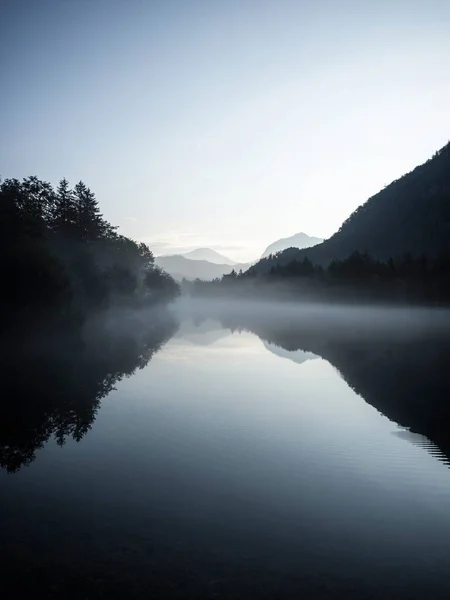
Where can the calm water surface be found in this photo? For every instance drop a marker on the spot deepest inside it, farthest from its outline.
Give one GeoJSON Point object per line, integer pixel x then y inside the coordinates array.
{"type": "Point", "coordinates": [230, 466]}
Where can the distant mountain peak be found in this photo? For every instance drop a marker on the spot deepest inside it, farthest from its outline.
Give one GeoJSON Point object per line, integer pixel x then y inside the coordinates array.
{"type": "Point", "coordinates": [210, 255]}
{"type": "Point", "coordinates": [298, 240]}
{"type": "Point", "coordinates": [181, 267]}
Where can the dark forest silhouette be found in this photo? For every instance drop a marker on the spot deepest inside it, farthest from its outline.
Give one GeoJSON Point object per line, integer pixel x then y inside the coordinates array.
{"type": "Point", "coordinates": [359, 278]}
{"type": "Point", "coordinates": [409, 216]}
{"type": "Point", "coordinates": [61, 258]}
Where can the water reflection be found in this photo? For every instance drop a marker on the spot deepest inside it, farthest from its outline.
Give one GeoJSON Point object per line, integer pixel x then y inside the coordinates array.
{"type": "Point", "coordinates": [403, 371]}
{"type": "Point", "coordinates": [229, 467]}
{"type": "Point", "coordinates": [297, 356]}
{"type": "Point", "coordinates": [422, 442]}
{"type": "Point", "coordinates": [53, 385]}
{"type": "Point", "coordinates": [53, 388]}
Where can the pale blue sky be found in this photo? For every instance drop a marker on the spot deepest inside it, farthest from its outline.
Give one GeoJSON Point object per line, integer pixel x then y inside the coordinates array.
{"type": "Point", "coordinates": [224, 123]}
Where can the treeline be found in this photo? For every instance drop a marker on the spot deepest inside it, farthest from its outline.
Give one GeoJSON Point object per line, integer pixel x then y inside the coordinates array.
{"type": "Point", "coordinates": [357, 278]}
{"type": "Point", "coordinates": [61, 258]}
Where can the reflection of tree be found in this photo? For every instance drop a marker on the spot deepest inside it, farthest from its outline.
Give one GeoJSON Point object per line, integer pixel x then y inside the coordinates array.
{"type": "Point", "coordinates": [53, 387]}
{"type": "Point", "coordinates": [403, 372]}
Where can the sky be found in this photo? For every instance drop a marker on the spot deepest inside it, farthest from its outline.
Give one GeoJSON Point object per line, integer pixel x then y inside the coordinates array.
{"type": "Point", "coordinates": [223, 123]}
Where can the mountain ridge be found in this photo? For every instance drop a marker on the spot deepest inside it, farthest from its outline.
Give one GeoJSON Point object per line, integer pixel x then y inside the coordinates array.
{"type": "Point", "coordinates": [181, 267]}
{"type": "Point", "coordinates": [298, 240]}
{"type": "Point", "coordinates": [411, 215]}
{"type": "Point", "coordinates": [207, 254]}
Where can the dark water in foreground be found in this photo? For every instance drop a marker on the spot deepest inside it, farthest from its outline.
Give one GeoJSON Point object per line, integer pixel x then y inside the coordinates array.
{"type": "Point", "coordinates": [272, 462]}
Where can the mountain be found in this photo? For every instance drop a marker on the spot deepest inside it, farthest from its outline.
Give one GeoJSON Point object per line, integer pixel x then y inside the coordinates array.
{"type": "Point", "coordinates": [411, 215]}
{"type": "Point", "coordinates": [210, 255]}
{"type": "Point", "coordinates": [181, 267]}
{"type": "Point", "coordinates": [206, 333]}
{"type": "Point", "coordinates": [297, 356]}
{"type": "Point", "coordinates": [298, 240]}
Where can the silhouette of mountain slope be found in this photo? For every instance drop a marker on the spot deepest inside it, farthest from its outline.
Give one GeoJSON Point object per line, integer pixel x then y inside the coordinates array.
{"type": "Point", "coordinates": [411, 215]}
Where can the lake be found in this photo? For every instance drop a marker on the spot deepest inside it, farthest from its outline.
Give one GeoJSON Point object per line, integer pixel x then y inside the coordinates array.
{"type": "Point", "coordinates": [231, 454]}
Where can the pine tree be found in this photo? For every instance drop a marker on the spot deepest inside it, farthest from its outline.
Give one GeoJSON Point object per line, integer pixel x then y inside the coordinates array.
{"type": "Point", "coordinates": [64, 215]}
{"type": "Point", "coordinates": [10, 210]}
{"type": "Point", "coordinates": [91, 225]}
{"type": "Point", "coordinates": [146, 256]}
{"type": "Point", "coordinates": [38, 199]}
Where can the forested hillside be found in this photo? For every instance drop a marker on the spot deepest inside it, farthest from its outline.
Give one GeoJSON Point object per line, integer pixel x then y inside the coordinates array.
{"type": "Point", "coordinates": [60, 258]}
{"type": "Point", "coordinates": [409, 216]}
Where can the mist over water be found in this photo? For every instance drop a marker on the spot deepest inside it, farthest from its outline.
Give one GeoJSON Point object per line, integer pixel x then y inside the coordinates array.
{"type": "Point", "coordinates": [230, 449]}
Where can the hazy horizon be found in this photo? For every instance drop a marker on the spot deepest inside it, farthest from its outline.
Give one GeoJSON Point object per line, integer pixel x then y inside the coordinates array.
{"type": "Point", "coordinates": [224, 125]}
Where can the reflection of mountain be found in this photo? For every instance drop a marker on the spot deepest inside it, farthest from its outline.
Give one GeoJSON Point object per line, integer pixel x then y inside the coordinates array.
{"type": "Point", "coordinates": [408, 380]}
{"type": "Point", "coordinates": [204, 333]}
{"type": "Point", "coordinates": [403, 371]}
{"type": "Point", "coordinates": [53, 386]}
{"type": "Point", "coordinates": [422, 442]}
{"type": "Point", "coordinates": [298, 356]}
